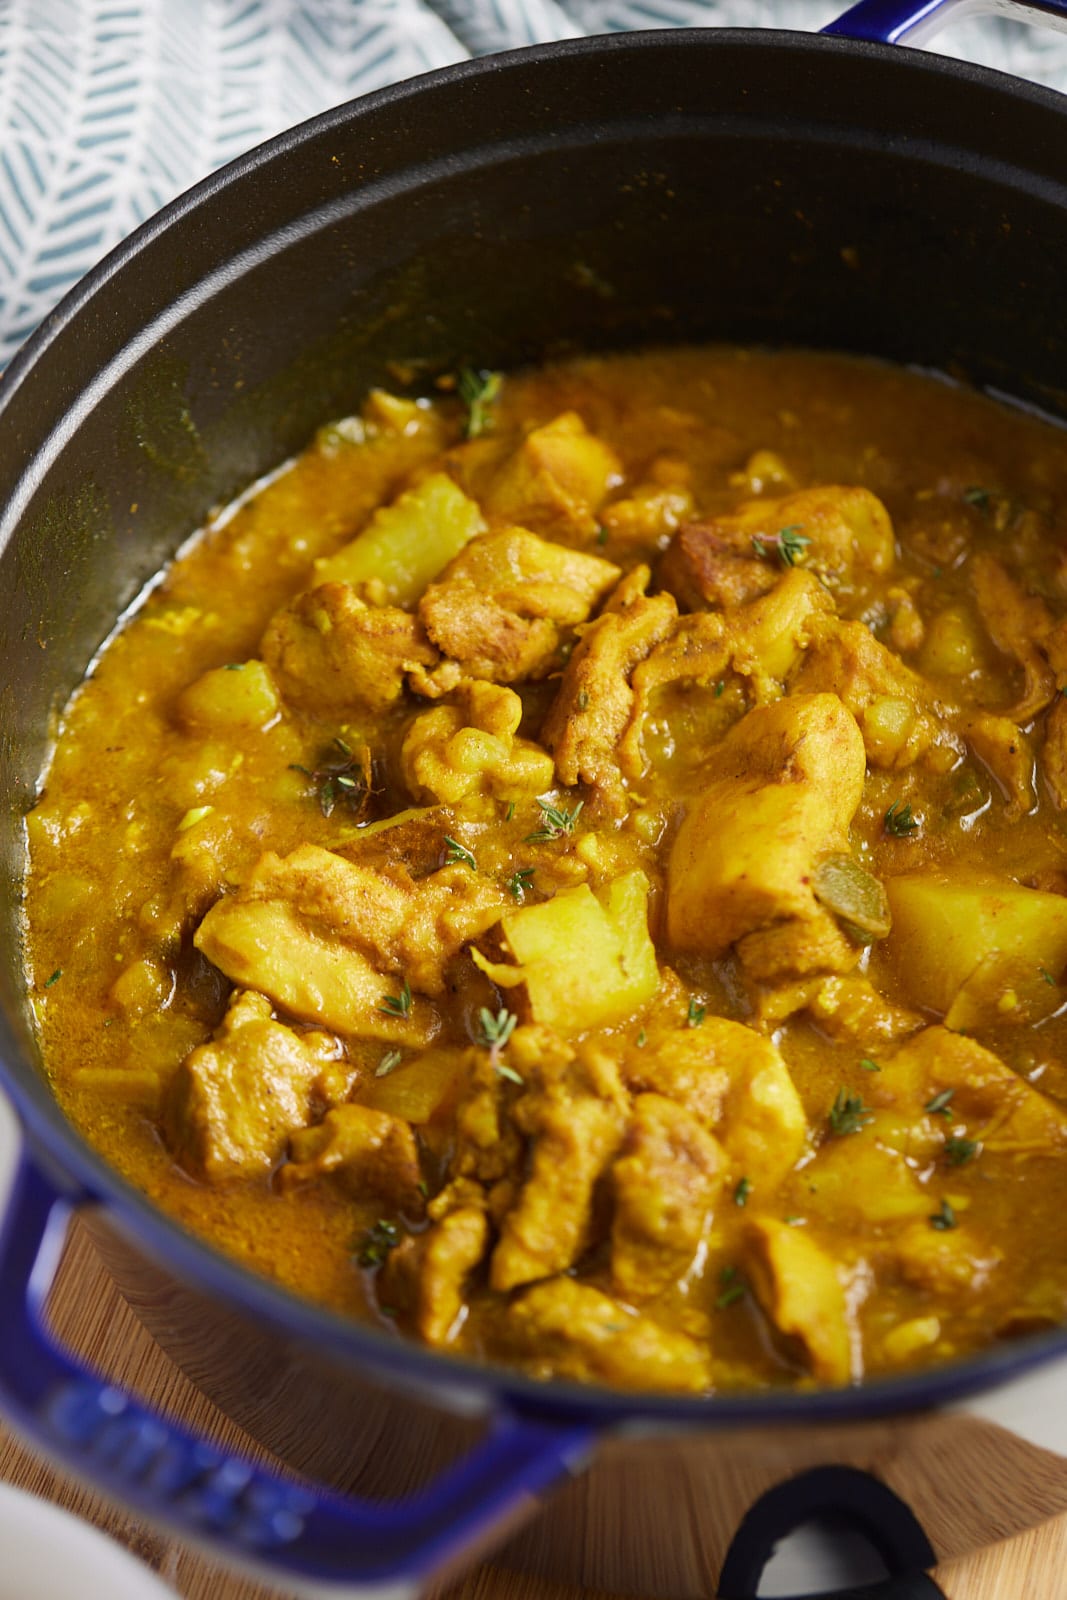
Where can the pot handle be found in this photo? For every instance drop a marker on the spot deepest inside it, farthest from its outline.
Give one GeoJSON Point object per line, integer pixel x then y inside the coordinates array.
{"type": "Point", "coordinates": [317, 1541]}
{"type": "Point", "coordinates": [909, 21]}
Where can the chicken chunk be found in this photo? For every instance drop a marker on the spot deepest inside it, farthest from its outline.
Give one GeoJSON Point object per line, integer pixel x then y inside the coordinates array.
{"type": "Point", "coordinates": [891, 703]}
{"type": "Point", "coordinates": [736, 1083]}
{"type": "Point", "coordinates": [370, 1154]}
{"type": "Point", "coordinates": [1007, 752]}
{"type": "Point", "coordinates": [666, 1180]}
{"type": "Point", "coordinates": [571, 1329]}
{"type": "Point", "coordinates": [329, 940]}
{"type": "Point", "coordinates": [595, 701]}
{"type": "Point", "coordinates": [332, 655]}
{"type": "Point", "coordinates": [947, 1262]}
{"type": "Point", "coordinates": [1054, 753]}
{"type": "Point", "coordinates": [718, 561]}
{"type": "Point", "coordinates": [473, 748]}
{"type": "Point", "coordinates": [504, 607]}
{"type": "Point", "coordinates": [1017, 624]}
{"type": "Point", "coordinates": [233, 1103]}
{"type": "Point", "coordinates": [799, 1289]}
{"type": "Point", "coordinates": [556, 480]}
{"type": "Point", "coordinates": [427, 1273]}
{"type": "Point", "coordinates": [781, 790]}
{"type": "Point", "coordinates": [574, 1133]}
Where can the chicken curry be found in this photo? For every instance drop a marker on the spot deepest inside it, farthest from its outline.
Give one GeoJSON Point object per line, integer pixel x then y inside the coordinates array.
{"type": "Point", "coordinates": [573, 870]}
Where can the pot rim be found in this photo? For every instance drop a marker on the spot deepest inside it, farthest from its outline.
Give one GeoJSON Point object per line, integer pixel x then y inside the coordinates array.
{"type": "Point", "coordinates": [452, 1380]}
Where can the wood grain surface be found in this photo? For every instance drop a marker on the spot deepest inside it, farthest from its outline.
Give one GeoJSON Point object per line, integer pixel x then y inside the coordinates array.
{"type": "Point", "coordinates": [1030, 1567]}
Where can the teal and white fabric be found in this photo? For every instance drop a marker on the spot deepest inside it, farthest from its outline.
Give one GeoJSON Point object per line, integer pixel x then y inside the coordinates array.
{"type": "Point", "coordinates": [110, 108]}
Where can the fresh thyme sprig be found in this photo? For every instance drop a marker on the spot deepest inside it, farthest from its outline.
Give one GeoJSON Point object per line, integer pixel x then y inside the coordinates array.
{"type": "Point", "coordinates": [344, 782]}
{"type": "Point", "coordinates": [520, 883]}
{"type": "Point", "coordinates": [397, 1005]}
{"type": "Point", "coordinates": [494, 1032]}
{"type": "Point", "coordinates": [959, 1151]}
{"type": "Point", "coordinates": [939, 1105]}
{"type": "Point", "coordinates": [556, 822]}
{"type": "Point", "coordinates": [789, 543]}
{"type": "Point", "coordinates": [478, 389]}
{"type": "Point", "coordinates": [696, 1013]}
{"type": "Point", "coordinates": [848, 1114]}
{"type": "Point", "coordinates": [944, 1219]}
{"type": "Point", "coordinates": [898, 821]}
{"type": "Point", "coordinates": [457, 855]}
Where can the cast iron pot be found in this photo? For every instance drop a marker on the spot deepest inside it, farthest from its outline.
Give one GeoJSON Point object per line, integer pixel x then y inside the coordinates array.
{"type": "Point", "coordinates": [743, 186]}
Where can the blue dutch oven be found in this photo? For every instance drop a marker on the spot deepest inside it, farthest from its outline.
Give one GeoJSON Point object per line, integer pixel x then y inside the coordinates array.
{"type": "Point", "coordinates": [748, 186]}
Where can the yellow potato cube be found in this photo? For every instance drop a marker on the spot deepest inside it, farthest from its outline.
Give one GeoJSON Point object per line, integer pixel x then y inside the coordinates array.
{"type": "Point", "coordinates": [962, 947]}
{"type": "Point", "coordinates": [585, 961]}
{"type": "Point", "coordinates": [406, 545]}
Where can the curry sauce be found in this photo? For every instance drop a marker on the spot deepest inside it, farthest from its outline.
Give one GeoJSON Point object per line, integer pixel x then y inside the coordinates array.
{"type": "Point", "coordinates": [572, 870]}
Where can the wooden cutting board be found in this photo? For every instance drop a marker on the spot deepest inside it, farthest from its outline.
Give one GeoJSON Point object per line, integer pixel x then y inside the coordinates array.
{"type": "Point", "coordinates": [106, 1332]}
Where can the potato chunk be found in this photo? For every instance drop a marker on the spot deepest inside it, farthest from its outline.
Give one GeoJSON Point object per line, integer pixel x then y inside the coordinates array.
{"type": "Point", "coordinates": [783, 787]}
{"type": "Point", "coordinates": [556, 479]}
{"type": "Point", "coordinates": [977, 952]}
{"type": "Point", "coordinates": [405, 545]}
{"type": "Point", "coordinates": [616, 973]}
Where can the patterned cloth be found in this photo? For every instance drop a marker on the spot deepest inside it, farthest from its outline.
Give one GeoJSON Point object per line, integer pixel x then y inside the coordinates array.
{"type": "Point", "coordinates": [109, 110]}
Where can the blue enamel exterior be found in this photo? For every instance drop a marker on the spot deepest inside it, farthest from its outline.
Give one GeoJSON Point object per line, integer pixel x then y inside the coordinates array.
{"type": "Point", "coordinates": [898, 21]}
{"type": "Point", "coordinates": [537, 1433]}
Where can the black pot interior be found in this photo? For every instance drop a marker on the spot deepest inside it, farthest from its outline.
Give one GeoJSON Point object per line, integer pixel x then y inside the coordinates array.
{"type": "Point", "coordinates": [659, 187]}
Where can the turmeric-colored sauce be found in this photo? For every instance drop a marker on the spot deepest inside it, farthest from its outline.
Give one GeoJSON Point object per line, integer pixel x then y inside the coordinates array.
{"type": "Point", "coordinates": [573, 870]}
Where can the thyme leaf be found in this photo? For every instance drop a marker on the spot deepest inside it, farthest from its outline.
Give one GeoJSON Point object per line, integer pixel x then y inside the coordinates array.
{"type": "Point", "coordinates": [742, 1192]}
{"type": "Point", "coordinates": [389, 1062]}
{"type": "Point", "coordinates": [556, 822]}
{"type": "Point", "coordinates": [944, 1219]}
{"type": "Point", "coordinates": [478, 389]}
{"type": "Point", "coordinates": [457, 855]}
{"type": "Point", "coordinates": [898, 821]}
{"type": "Point", "coordinates": [494, 1032]}
{"type": "Point", "coordinates": [379, 1240]}
{"type": "Point", "coordinates": [397, 1005]}
{"type": "Point", "coordinates": [734, 1288]}
{"type": "Point", "coordinates": [848, 1114]}
{"type": "Point", "coordinates": [789, 542]}
{"type": "Point", "coordinates": [696, 1013]}
{"type": "Point", "coordinates": [939, 1105]}
{"type": "Point", "coordinates": [520, 883]}
{"type": "Point", "coordinates": [343, 780]}
{"type": "Point", "coordinates": [960, 1151]}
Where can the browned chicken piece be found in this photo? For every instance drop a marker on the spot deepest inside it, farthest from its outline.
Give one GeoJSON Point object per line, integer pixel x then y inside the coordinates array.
{"type": "Point", "coordinates": [472, 748]}
{"type": "Point", "coordinates": [852, 1008]}
{"type": "Point", "coordinates": [736, 1083]}
{"type": "Point", "coordinates": [369, 1154]}
{"type": "Point", "coordinates": [330, 940]}
{"type": "Point", "coordinates": [595, 702]}
{"type": "Point", "coordinates": [504, 607]}
{"type": "Point", "coordinates": [332, 655]}
{"type": "Point", "coordinates": [427, 1273]}
{"type": "Point", "coordinates": [892, 704]}
{"type": "Point", "coordinates": [796, 948]}
{"type": "Point", "coordinates": [718, 561]}
{"type": "Point", "coordinates": [233, 1103]}
{"type": "Point", "coordinates": [948, 1262]}
{"type": "Point", "coordinates": [488, 1148]}
{"type": "Point", "coordinates": [653, 510]}
{"type": "Point", "coordinates": [1054, 753]}
{"type": "Point", "coordinates": [779, 792]}
{"type": "Point", "coordinates": [798, 1287]}
{"type": "Point", "coordinates": [666, 1181]}
{"type": "Point", "coordinates": [906, 627]}
{"type": "Point", "coordinates": [1008, 753]}
{"type": "Point", "coordinates": [573, 1134]}
{"type": "Point", "coordinates": [556, 480]}
{"type": "Point", "coordinates": [761, 642]}
{"type": "Point", "coordinates": [1018, 623]}
{"type": "Point", "coordinates": [701, 567]}
{"type": "Point", "coordinates": [568, 1328]}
